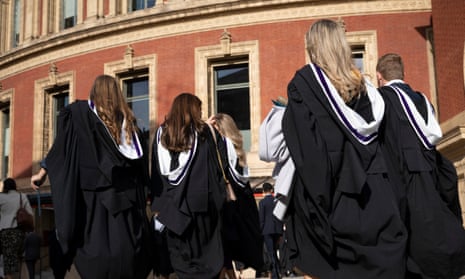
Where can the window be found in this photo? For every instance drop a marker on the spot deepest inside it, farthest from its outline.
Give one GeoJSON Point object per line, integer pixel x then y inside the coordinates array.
{"type": "Point", "coordinates": [136, 90]}
{"type": "Point", "coordinates": [364, 52]}
{"type": "Point", "coordinates": [227, 79]}
{"type": "Point", "coordinates": [51, 94]}
{"type": "Point", "coordinates": [135, 5]}
{"type": "Point", "coordinates": [232, 96]}
{"type": "Point", "coordinates": [69, 13]}
{"type": "Point", "coordinates": [137, 81]}
{"type": "Point", "coordinates": [58, 98]}
{"type": "Point", "coordinates": [16, 23]}
{"type": "Point", "coordinates": [60, 101]}
{"type": "Point", "coordinates": [358, 54]}
{"type": "Point", "coordinates": [5, 139]}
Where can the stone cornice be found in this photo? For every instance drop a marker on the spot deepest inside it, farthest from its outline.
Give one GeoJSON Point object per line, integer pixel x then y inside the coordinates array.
{"type": "Point", "coordinates": [183, 17]}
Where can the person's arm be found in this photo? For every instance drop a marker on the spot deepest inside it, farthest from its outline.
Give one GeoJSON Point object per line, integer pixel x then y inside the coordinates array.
{"type": "Point", "coordinates": [27, 205]}
{"type": "Point", "coordinates": [38, 178]}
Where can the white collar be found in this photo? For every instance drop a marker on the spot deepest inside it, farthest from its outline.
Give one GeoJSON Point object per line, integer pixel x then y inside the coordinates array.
{"type": "Point", "coordinates": [428, 133]}
{"type": "Point", "coordinates": [130, 151]}
{"type": "Point", "coordinates": [240, 178]}
{"type": "Point", "coordinates": [392, 81]}
{"type": "Point", "coordinates": [185, 159]}
{"type": "Point", "coordinates": [357, 126]}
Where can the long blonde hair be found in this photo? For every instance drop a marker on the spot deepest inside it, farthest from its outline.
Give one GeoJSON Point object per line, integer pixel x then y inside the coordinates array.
{"type": "Point", "coordinates": [228, 128]}
{"type": "Point", "coordinates": [112, 107]}
{"type": "Point", "coordinates": [328, 48]}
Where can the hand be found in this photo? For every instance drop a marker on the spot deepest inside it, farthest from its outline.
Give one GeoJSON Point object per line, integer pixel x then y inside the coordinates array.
{"type": "Point", "coordinates": [211, 120]}
{"type": "Point", "coordinates": [38, 179]}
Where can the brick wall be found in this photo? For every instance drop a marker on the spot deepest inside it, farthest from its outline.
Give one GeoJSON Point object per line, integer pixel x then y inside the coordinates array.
{"type": "Point", "coordinates": [449, 36]}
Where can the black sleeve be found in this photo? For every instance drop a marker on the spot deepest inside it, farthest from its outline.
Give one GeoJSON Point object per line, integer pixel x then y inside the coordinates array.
{"type": "Point", "coordinates": [63, 171]}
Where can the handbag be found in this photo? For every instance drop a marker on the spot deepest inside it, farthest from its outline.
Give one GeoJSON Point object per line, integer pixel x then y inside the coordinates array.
{"type": "Point", "coordinates": [24, 218]}
{"type": "Point", "coordinates": [230, 195]}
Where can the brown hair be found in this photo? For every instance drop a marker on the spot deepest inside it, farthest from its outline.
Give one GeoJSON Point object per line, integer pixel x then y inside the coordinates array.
{"type": "Point", "coordinates": [228, 128]}
{"type": "Point", "coordinates": [183, 119]}
{"type": "Point", "coordinates": [112, 108]}
{"type": "Point", "coordinates": [390, 66]}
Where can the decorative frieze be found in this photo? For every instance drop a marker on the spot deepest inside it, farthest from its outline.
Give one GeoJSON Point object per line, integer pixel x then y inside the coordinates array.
{"type": "Point", "coordinates": [197, 16]}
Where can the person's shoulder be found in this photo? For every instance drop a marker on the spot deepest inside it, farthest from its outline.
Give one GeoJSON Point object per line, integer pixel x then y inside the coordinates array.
{"type": "Point", "coordinates": [74, 106]}
{"type": "Point", "coordinates": [386, 92]}
{"type": "Point", "coordinates": [3, 196]}
{"type": "Point", "coordinates": [385, 89]}
{"type": "Point", "coordinates": [304, 71]}
{"type": "Point", "coordinates": [79, 103]}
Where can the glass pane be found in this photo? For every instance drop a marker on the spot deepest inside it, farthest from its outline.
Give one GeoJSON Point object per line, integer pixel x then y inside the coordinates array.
{"type": "Point", "coordinates": [16, 22]}
{"type": "Point", "coordinates": [233, 97]}
{"type": "Point", "coordinates": [151, 3]}
{"type": "Point", "coordinates": [69, 13]}
{"type": "Point", "coordinates": [358, 61]}
{"type": "Point", "coordinates": [6, 132]}
{"type": "Point", "coordinates": [236, 103]}
{"type": "Point", "coordinates": [137, 94]}
{"type": "Point", "coordinates": [59, 102]}
{"type": "Point", "coordinates": [137, 5]}
{"type": "Point", "coordinates": [230, 75]}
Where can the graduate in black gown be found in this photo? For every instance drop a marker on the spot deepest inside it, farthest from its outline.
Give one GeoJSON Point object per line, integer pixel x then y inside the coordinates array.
{"type": "Point", "coordinates": [242, 237]}
{"type": "Point", "coordinates": [189, 191]}
{"type": "Point", "coordinates": [98, 172]}
{"type": "Point", "coordinates": [342, 217]}
{"type": "Point", "coordinates": [426, 181]}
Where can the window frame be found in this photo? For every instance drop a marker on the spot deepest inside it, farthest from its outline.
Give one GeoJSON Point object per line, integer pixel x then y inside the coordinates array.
{"type": "Point", "coordinates": [213, 64]}
{"type": "Point", "coordinates": [131, 66]}
{"type": "Point", "coordinates": [44, 91]}
{"type": "Point", "coordinates": [133, 75]}
{"type": "Point", "coordinates": [6, 103]}
{"type": "Point", "coordinates": [130, 4]}
{"type": "Point", "coordinates": [16, 23]}
{"type": "Point", "coordinates": [368, 40]}
{"type": "Point", "coordinates": [206, 55]}
{"type": "Point", "coordinates": [51, 95]}
{"type": "Point", "coordinates": [63, 18]}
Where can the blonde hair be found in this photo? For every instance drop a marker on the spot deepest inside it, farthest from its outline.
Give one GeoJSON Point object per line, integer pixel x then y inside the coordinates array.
{"type": "Point", "coordinates": [328, 48]}
{"type": "Point", "coordinates": [227, 127]}
{"type": "Point", "coordinates": [112, 107]}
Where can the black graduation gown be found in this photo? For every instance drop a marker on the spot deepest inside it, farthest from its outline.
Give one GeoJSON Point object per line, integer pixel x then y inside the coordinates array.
{"type": "Point", "coordinates": [242, 236]}
{"type": "Point", "coordinates": [98, 198]}
{"type": "Point", "coordinates": [191, 211]}
{"type": "Point", "coordinates": [342, 220]}
{"type": "Point", "coordinates": [428, 194]}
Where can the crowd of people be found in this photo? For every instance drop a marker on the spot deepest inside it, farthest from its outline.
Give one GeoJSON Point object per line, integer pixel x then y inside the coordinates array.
{"type": "Point", "coordinates": [360, 189]}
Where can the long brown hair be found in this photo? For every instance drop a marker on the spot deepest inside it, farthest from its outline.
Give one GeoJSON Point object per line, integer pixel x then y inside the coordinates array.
{"type": "Point", "coordinates": [183, 119]}
{"type": "Point", "coordinates": [112, 107]}
{"type": "Point", "coordinates": [328, 48]}
{"type": "Point", "coordinates": [228, 128]}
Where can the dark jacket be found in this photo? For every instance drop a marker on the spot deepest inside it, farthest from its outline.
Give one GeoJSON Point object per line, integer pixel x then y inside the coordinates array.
{"type": "Point", "coordinates": [269, 224]}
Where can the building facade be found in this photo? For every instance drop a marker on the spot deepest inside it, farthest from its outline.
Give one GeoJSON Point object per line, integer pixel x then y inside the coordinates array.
{"type": "Point", "coordinates": [449, 52]}
{"type": "Point", "coordinates": [235, 55]}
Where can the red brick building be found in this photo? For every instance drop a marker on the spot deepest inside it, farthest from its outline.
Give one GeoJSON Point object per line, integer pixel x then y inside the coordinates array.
{"type": "Point", "coordinates": [449, 53]}
{"type": "Point", "coordinates": [235, 55]}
